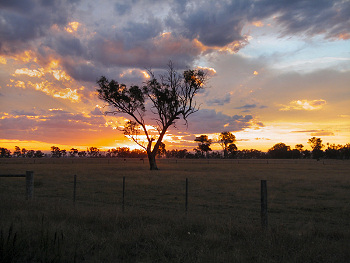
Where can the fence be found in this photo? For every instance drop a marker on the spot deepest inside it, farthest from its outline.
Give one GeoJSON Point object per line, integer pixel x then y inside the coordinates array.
{"type": "Point", "coordinates": [30, 190]}
{"type": "Point", "coordinates": [29, 175]}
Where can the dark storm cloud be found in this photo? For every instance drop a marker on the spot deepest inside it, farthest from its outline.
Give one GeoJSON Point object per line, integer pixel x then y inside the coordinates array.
{"type": "Point", "coordinates": [210, 121]}
{"type": "Point", "coordinates": [218, 23]}
{"type": "Point", "coordinates": [214, 23]}
{"type": "Point", "coordinates": [23, 21]}
{"type": "Point", "coordinates": [219, 101]}
{"type": "Point", "coordinates": [136, 38]}
{"type": "Point", "coordinates": [83, 71]}
{"type": "Point", "coordinates": [134, 33]}
{"type": "Point", "coordinates": [246, 107]}
{"type": "Point", "coordinates": [67, 45]}
{"type": "Point", "coordinates": [311, 17]}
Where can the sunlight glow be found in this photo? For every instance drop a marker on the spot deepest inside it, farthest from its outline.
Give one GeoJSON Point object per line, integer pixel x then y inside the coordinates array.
{"type": "Point", "coordinates": [304, 105]}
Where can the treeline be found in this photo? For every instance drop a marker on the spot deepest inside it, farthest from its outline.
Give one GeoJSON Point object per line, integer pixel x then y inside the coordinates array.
{"type": "Point", "coordinates": [203, 150]}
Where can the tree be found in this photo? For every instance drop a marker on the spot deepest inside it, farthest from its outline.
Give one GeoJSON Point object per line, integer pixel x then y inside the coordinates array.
{"type": "Point", "coordinates": [225, 139]}
{"type": "Point", "coordinates": [17, 151]}
{"type": "Point", "coordinates": [73, 152]}
{"type": "Point", "coordinates": [38, 154]}
{"type": "Point", "coordinates": [5, 153]}
{"type": "Point", "coordinates": [203, 145]}
{"type": "Point", "coordinates": [56, 152]}
{"type": "Point", "coordinates": [316, 145]}
{"type": "Point", "coordinates": [170, 97]}
{"type": "Point", "coordinates": [161, 150]}
{"type": "Point", "coordinates": [280, 151]}
{"type": "Point", "coordinates": [232, 150]}
{"type": "Point", "coordinates": [93, 152]}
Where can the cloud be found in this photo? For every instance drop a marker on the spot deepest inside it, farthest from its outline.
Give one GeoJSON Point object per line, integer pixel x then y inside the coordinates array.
{"type": "Point", "coordinates": [219, 101]}
{"type": "Point", "coordinates": [96, 112]}
{"type": "Point", "coordinates": [210, 121]}
{"type": "Point", "coordinates": [52, 125]}
{"type": "Point", "coordinates": [304, 105]}
{"type": "Point", "coordinates": [247, 106]}
{"type": "Point", "coordinates": [316, 132]}
{"type": "Point", "coordinates": [25, 21]}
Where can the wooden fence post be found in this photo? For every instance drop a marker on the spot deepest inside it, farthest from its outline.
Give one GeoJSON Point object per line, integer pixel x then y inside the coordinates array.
{"type": "Point", "coordinates": [186, 196]}
{"type": "Point", "coordinates": [123, 200]}
{"type": "Point", "coordinates": [29, 184]}
{"type": "Point", "coordinates": [74, 188]}
{"type": "Point", "coordinates": [264, 222]}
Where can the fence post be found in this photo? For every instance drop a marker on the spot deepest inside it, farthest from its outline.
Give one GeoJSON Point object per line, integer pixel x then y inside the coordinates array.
{"type": "Point", "coordinates": [29, 184]}
{"type": "Point", "coordinates": [123, 200]}
{"type": "Point", "coordinates": [74, 188]}
{"type": "Point", "coordinates": [264, 222]}
{"type": "Point", "coordinates": [186, 198]}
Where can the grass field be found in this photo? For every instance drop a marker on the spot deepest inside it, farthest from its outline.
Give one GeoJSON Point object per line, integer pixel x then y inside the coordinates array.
{"type": "Point", "coordinates": [308, 209]}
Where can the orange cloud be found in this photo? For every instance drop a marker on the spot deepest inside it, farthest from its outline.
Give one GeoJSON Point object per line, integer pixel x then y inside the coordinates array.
{"type": "Point", "coordinates": [72, 27]}
{"type": "Point", "coordinates": [3, 60]}
{"type": "Point", "coordinates": [258, 24]}
{"type": "Point", "coordinates": [304, 105]}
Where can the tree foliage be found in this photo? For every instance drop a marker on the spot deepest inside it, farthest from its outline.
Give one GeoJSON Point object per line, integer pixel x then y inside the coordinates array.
{"type": "Point", "coordinates": [171, 97]}
{"type": "Point", "coordinates": [227, 139]}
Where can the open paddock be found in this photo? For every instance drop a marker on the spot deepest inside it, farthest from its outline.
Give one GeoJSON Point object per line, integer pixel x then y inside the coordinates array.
{"type": "Point", "coordinates": [308, 211]}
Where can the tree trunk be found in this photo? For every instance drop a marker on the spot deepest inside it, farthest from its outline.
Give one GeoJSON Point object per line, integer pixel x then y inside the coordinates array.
{"type": "Point", "coordinates": [152, 161]}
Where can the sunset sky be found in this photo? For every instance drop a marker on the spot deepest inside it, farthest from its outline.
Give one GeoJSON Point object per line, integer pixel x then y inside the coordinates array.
{"type": "Point", "coordinates": [279, 70]}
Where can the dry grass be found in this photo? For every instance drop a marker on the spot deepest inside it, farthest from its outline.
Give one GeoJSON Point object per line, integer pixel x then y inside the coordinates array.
{"type": "Point", "coordinates": [308, 211]}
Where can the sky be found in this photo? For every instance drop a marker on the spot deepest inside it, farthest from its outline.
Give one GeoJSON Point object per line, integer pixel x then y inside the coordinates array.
{"type": "Point", "coordinates": [278, 70]}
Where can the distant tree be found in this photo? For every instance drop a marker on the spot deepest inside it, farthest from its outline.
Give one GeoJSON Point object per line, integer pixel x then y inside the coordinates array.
{"type": "Point", "coordinates": [161, 150]}
{"type": "Point", "coordinates": [225, 139]}
{"type": "Point", "coordinates": [170, 98]}
{"type": "Point", "coordinates": [73, 152]}
{"type": "Point", "coordinates": [23, 152]}
{"type": "Point", "coordinates": [333, 151]}
{"type": "Point", "coordinates": [56, 152]}
{"type": "Point", "coordinates": [17, 152]}
{"type": "Point", "coordinates": [280, 151]}
{"type": "Point", "coordinates": [137, 153]}
{"type": "Point", "coordinates": [93, 152]}
{"type": "Point", "coordinates": [123, 152]}
{"type": "Point", "coordinates": [5, 153]}
{"type": "Point", "coordinates": [232, 150]}
{"type": "Point", "coordinates": [38, 154]}
{"type": "Point", "coordinates": [82, 154]}
{"type": "Point", "coordinates": [250, 154]}
{"type": "Point", "coordinates": [30, 154]}
{"type": "Point", "coordinates": [299, 147]}
{"type": "Point", "coordinates": [345, 151]}
{"type": "Point", "coordinates": [316, 145]}
{"type": "Point", "coordinates": [203, 145]}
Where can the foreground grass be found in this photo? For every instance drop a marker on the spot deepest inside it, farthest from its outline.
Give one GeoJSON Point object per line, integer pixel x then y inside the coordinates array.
{"type": "Point", "coordinates": [308, 212]}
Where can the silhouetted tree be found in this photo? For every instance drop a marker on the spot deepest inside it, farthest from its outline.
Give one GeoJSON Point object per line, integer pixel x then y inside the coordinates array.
{"type": "Point", "coordinates": [17, 152]}
{"type": "Point", "coordinates": [55, 152]}
{"type": "Point", "coordinates": [203, 145]}
{"type": "Point", "coordinates": [171, 97]}
{"type": "Point", "coordinates": [232, 150]}
{"type": "Point", "coordinates": [38, 154]}
{"type": "Point", "coordinates": [93, 152]}
{"type": "Point", "coordinates": [225, 139]}
{"type": "Point", "coordinates": [316, 145]}
{"type": "Point", "coordinates": [82, 154]}
{"type": "Point", "coordinates": [161, 150]}
{"type": "Point", "coordinates": [280, 151]}
{"type": "Point", "coordinates": [5, 153]}
{"type": "Point", "coordinates": [73, 152]}
{"type": "Point", "coordinates": [30, 154]}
